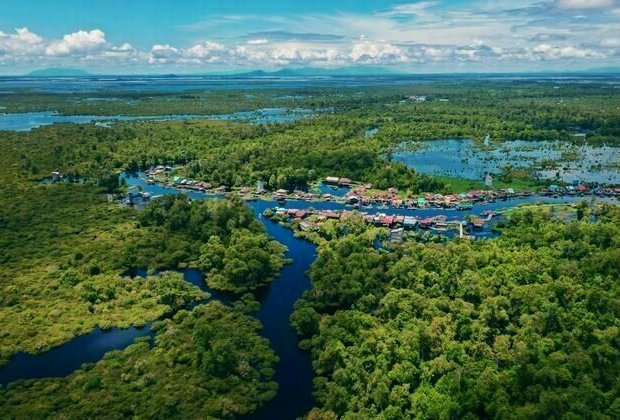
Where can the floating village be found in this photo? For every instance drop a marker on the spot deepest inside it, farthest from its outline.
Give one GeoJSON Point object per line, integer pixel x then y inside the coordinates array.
{"type": "Point", "coordinates": [361, 196]}
{"type": "Point", "coordinates": [357, 198]}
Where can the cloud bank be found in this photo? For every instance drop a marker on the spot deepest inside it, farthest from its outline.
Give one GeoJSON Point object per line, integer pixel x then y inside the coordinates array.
{"type": "Point", "coordinates": [503, 35]}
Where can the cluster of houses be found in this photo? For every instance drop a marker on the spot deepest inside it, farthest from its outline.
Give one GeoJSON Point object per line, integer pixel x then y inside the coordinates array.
{"type": "Point", "coordinates": [365, 197]}
{"type": "Point", "coordinates": [308, 223]}
{"type": "Point", "coordinates": [158, 170]}
{"type": "Point", "coordinates": [580, 189]}
{"type": "Point", "coordinates": [180, 182]}
{"type": "Point", "coordinates": [343, 182]}
{"type": "Point", "coordinates": [416, 98]}
{"type": "Point", "coordinates": [135, 198]}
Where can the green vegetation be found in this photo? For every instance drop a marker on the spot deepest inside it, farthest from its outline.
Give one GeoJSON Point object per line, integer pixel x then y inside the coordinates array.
{"type": "Point", "coordinates": [236, 253]}
{"type": "Point", "coordinates": [291, 155]}
{"type": "Point", "coordinates": [522, 326]}
{"type": "Point", "coordinates": [526, 110]}
{"type": "Point", "coordinates": [514, 179]}
{"type": "Point", "coordinates": [65, 249]}
{"type": "Point", "coordinates": [284, 156]}
{"type": "Point", "coordinates": [207, 363]}
{"type": "Point", "coordinates": [63, 252]}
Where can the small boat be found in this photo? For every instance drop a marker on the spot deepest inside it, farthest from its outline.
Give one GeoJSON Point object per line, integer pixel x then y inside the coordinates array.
{"type": "Point", "coordinates": [425, 223]}
{"type": "Point", "coordinates": [438, 228]}
{"type": "Point", "coordinates": [462, 206]}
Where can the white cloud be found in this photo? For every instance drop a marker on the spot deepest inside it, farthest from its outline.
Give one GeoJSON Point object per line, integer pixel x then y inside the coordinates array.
{"type": "Point", "coordinates": [583, 4]}
{"type": "Point", "coordinates": [261, 41]}
{"type": "Point", "coordinates": [77, 42]}
{"type": "Point", "coordinates": [370, 52]}
{"type": "Point", "coordinates": [163, 54]}
{"type": "Point", "coordinates": [304, 53]}
{"type": "Point", "coordinates": [550, 52]}
{"type": "Point", "coordinates": [414, 9]}
{"type": "Point", "coordinates": [503, 34]}
{"type": "Point", "coordinates": [22, 42]}
{"type": "Point", "coordinates": [611, 42]}
{"type": "Point", "coordinates": [205, 50]}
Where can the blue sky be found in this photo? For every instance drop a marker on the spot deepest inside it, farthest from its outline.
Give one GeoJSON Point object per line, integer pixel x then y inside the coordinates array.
{"type": "Point", "coordinates": [157, 36]}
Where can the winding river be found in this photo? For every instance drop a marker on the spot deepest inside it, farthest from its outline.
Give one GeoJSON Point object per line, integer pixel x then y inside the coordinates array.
{"type": "Point", "coordinates": [294, 371]}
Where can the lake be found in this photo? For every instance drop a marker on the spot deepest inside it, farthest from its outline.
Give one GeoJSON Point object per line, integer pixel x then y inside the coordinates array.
{"type": "Point", "coordinates": [470, 160]}
{"type": "Point", "coordinates": [27, 121]}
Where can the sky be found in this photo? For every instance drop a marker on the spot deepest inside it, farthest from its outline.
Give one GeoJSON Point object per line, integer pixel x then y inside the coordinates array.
{"type": "Point", "coordinates": [211, 36]}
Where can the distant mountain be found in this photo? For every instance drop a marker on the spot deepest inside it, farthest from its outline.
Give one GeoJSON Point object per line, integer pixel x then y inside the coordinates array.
{"type": "Point", "coordinates": [58, 72]}
{"type": "Point", "coordinates": [313, 71]}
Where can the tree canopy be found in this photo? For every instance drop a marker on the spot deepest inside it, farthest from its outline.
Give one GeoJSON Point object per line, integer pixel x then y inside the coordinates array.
{"type": "Point", "coordinates": [525, 325]}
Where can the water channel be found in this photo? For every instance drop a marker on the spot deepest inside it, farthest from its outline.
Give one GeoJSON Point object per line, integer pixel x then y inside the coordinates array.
{"type": "Point", "coordinates": [293, 371]}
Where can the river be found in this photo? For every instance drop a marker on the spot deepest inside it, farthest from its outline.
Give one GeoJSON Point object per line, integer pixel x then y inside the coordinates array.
{"type": "Point", "coordinates": [294, 370]}
{"type": "Point", "coordinates": [27, 121]}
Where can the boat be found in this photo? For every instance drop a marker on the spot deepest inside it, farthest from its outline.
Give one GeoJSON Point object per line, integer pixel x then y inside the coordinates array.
{"type": "Point", "coordinates": [478, 224]}
{"type": "Point", "coordinates": [425, 223]}
{"type": "Point", "coordinates": [461, 206]}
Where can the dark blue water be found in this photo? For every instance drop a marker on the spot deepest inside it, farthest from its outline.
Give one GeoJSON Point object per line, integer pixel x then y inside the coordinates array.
{"type": "Point", "coordinates": [333, 190]}
{"type": "Point", "coordinates": [27, 121]}
{"type": "Point", "coordinates": [294, 373]}
{"type": "Point", "coordinates": [65, 359]}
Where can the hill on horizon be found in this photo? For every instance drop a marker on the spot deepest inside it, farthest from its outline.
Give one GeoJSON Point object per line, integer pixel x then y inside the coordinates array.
{"type": "Point", "coordinates": [315, 71]}
{"type": "Point", "coordinates": [58, 72]}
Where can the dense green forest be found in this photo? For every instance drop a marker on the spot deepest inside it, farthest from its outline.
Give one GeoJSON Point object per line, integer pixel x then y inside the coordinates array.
{"type": "Point", "coordinates": [65, 250]}
{"type": "Point", "coordinates": [289, 155]}
{"type": "Point", "coordinates": [206, 363]}
{"type": "Point", "coordinates": [235, 253]}
{"type": "Point", "coordinates": [507, 109]}
{"type": "Point", "coordinates": [522, 326]}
